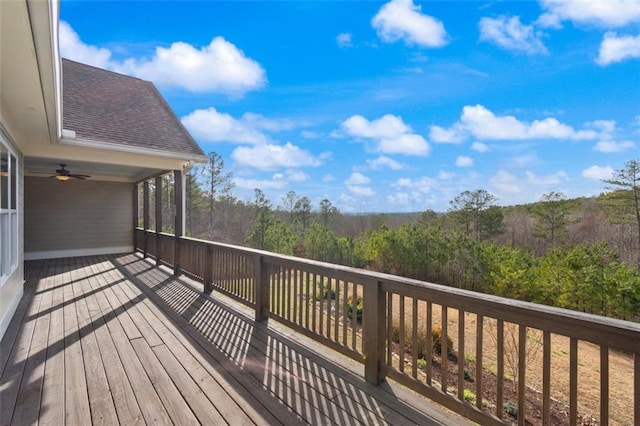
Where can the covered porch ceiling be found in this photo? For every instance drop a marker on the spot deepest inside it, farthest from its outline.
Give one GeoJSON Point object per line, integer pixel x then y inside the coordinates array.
{"type": "Point", "coordinates": [45, 167]}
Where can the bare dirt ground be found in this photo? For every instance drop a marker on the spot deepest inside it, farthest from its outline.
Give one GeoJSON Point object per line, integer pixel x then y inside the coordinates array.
{"type": "Point", "coordinates": [620, 370]}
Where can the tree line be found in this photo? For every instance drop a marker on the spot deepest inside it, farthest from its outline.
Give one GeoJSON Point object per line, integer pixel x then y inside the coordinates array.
{"type": "Point", "coordinates": [581, 254]}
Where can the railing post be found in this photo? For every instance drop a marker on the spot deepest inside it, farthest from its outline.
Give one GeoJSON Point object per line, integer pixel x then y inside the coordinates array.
{"type": "Point", "coordinates": [158, 217]}
{"type": "Point", "coordinates": [373, 324]}
{"type": "Point", "coordinates": [146, 216]}
{"type": "Point", "coordinates": [261, 288]}
{"type": "Point", "coordinates": [208, 269]}
{"type": "Point", "coordinates": [178, 231]}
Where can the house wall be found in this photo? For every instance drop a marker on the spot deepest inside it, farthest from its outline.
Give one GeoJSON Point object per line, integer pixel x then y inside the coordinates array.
{"type": "Point", "coordinates": [76, 217]}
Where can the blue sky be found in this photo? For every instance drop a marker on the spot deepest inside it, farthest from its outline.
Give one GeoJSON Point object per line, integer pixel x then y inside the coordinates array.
{"type": "Point", "coordinates": [387, 107]}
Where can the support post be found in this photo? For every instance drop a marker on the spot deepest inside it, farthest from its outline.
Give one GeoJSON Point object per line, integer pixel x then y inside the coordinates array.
{"type": "Point", "coordinates": [178, 233]}
{"type": "Point", "coordinates": [261, 288]}
{"type": "Point", "coordinates": [158, 217]}
{"type": "Point", "coordinates": [146, 216]}
{"type": "Point", "coordinates": [136, 216]}
{"type": "Point", "coordinates": [208, 269]}
{"type": "Point", "coordinates": [373, 324]}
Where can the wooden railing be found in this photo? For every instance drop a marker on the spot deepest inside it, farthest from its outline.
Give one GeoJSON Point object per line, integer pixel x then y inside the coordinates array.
{"type": "Point", "coordinates": [494, 359]}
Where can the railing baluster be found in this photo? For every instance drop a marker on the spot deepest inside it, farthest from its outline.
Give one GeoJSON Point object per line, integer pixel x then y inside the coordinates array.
{"type": "Point", "coordinates": [461, 358]}
{"type": "Point", "coordinates": [389, 329]}
{"type": "Point", "coordinates": [401, 334]}
{"type": "Point", "coordinates": [314, 302]}
{"type": "Point", "coordinates": [573, 381]}
{"type": "Point", "coordinates": [345, 322]}
{"type": "Point", "coordinates": [444, 343]}
{"type": "Point", "coordinates": [354, 314]}
{"type": "Point", "coordinates": [479, 358]}
{"type": "Point", "coordinates": [429, 345]}
{"type": "Point", "coordinates": [299, 295]}
{"type": "Point", "coordinates": [336, 323]}
{"type": "Point", "coordinates": [414, 338]}
{"type": "Point", "coordinates": [288, 292]}
{"type": "Point", "coordinates": [329, 303]}
{"type": "Point", "coordinates": [499, 368]}
{"type": "Point", "coordinates": [546, 378]}
{"type": "Point", "coordinates": [636, 387]}
{"type": "Point", "coordinates": [321, 303]}
{"type": "Point", "coordinates": [604, 385]}
{"type": "Point", "coordinates": [283, 291]}
{"type": "Point", "coordinates": [522, 370]}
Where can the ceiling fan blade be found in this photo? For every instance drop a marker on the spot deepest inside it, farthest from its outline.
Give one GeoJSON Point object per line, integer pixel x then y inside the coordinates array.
{"type": "Point", "coordinates": [78, 176]}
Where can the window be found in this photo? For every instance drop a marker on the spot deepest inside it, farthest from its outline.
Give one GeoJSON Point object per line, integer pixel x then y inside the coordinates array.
{"type": "Point", "coordinates": [8, 210]}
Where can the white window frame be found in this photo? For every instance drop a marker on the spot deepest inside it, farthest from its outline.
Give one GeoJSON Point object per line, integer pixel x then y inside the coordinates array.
{"type": "Point", "coordinates": [9, 229]}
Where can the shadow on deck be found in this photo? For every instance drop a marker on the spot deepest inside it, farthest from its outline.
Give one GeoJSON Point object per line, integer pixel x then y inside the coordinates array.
{"type": "Point", "coordinates": [114, 339]}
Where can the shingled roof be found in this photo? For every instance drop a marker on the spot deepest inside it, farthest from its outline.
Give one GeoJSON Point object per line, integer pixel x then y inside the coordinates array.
{"type": "Point", "coordinates": [105, 106]}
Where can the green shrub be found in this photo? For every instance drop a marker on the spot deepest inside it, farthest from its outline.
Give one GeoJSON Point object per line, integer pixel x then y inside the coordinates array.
{"type": "Point", "coordinates": [436, 337]}
{"type": "Point", "coordinates": [357, 308]}
{"type": "Point", "coordinates": [469, 396]}
{"type": "Point", "coordinates": [511, 408]}
{"type": "Point", "coordinates": [327, 293]}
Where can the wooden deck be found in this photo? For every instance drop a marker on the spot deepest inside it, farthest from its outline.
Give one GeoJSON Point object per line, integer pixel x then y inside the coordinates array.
{"type": "Point", "coordinates": [116, 340]}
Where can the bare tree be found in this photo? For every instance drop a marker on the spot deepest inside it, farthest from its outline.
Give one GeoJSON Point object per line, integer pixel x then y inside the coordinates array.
{"type": "Point", "coordinates": [625, 187]}
{"type": "Point", "coordinates": [552, 214]}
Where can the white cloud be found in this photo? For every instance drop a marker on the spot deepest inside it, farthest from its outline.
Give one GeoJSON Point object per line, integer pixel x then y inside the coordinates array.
{"type": "Point", "coordinates": [392, 135]}
{"type": "Point", "coordinates": [505, 182]}
{"type": "Point", "coordinates": [345, 40]}
{"type": "Point", "coordinates": [399, 199]}
{"type": "Point", "coordinates": [442, 135]}
{"type": "Point", "coordinates": [446, 175]}
{"type": "Point", "coordinates": [546, 180]}
{"type": "Point", "coordinates": [405, 144]}
{"type": "Point", "coordinates": [363, 191]}
{"type": "Point", "coordinates": [479, 122]}
{"type": "Point", "coordinates": [511, 34]}
{"type": "Point", "coordinates": [213, 126]}
{"type": "Point", "coordinates": [309, 134]}
{"type": "Point", "coordinates": [602, 13]}
{"type": "Point", "coordinates": [385, 127]}
{"type": "Point", "coordinates": [357, 179]}
{"type": "Point", "coordinates": [617, 49]}
{"type": "Point", "coordinates": [383, 162]}
{"type": "Point", "coordinates": [613, 146]}
{"type": "Point", "coordinates": [219, 67]}
{"type": "Point", "coordinates": [522, 161]}
{"type": "Point", "coordinates": [403, 20]}
{"type": "Point", "coordinates": [71, 47]}
{"type": "Point", "coordinates": [464, 161]}
{"type": "Point", "coordinates": [422, 185]}
{"type": "Point", "coordinates": [328, 178]}
{"type": "Point", "coordinates": [269, 157]}
{"type": "Point", "coordinates": [296, 176]}
{"type": "Point", "coordinates": [480, 147]}
{"type": "Point", "coordinates": [597, 172]}
{"type": "Point", "coordinates": [278, 183]}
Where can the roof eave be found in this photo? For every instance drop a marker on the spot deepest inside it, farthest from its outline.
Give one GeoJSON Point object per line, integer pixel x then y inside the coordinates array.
{"type": "Point", "coordinates": [68, 138]}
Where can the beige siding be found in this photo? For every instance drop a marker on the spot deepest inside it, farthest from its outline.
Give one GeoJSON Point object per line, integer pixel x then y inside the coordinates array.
{"type": "Point", "coordinates": [76, 217]}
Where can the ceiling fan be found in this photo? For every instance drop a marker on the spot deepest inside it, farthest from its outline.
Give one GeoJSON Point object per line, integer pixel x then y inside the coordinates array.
{"type": "Point", "coordinates": [63, 174]}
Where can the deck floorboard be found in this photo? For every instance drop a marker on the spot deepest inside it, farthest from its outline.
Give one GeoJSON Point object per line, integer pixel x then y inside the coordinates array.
{"type": "Point", "coordinates": [116, 340]}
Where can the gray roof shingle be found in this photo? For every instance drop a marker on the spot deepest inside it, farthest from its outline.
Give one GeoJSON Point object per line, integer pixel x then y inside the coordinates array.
{"type": "Point", "coordinates": [105, 106]}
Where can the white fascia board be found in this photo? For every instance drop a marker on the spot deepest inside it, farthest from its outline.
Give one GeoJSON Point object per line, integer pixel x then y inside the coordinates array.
{"type": "Point", "coordinates": [44, 29]}
{"type": "Point", "coordinates": [66, 140]}
{"type": "Point", "coordinates": [82, 153]}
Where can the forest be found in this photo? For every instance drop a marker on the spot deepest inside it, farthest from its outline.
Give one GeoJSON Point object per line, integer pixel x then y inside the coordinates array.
{"type": "Point", "coordinates": [581, 254]}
